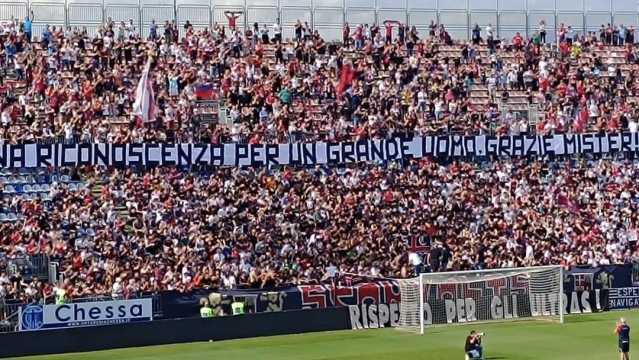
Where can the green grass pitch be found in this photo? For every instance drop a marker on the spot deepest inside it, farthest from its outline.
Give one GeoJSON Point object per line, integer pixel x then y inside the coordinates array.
{"type": "Point", "coordinates": [584, 337]}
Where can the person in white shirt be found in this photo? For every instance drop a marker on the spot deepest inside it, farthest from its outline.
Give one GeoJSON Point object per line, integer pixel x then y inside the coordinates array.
{"type": "Point", "coordinates": [612, 69]}
{"type": "Point", "coordinates": [489, 33]}
{"type": "Point", "coordinates": [439, 109]}
{"type": "Point", "coordinates": [593, 110]}
{"type": "Point", "coordinates": [130, 29]}
{"type": "Point", "coordinates": [416, 262]}
{"type": "Point", "coordinates": [277, 32]}
{"type": "Point", "coordinates": [229, 280]}
{"type": "Point", "coordinates": [543, 65]}
{"type": "Point", "coordinates": [5, 118]}
{"type": "Point", "coordinates": [422, 98]}
{"type": "Point", "coordinates": [68, 133]}
{"type": "Point", "coordinates": [117, 290]}
{"type": "Point", "coordinates": [542, 31]}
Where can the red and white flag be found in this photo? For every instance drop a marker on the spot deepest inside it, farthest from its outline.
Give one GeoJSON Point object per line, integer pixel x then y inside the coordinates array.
{"type": "Point", "coordinates": [144, 105]}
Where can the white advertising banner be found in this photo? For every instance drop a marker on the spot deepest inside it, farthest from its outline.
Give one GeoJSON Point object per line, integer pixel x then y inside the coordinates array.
{"type": "Point", "coordinates": [43, 317]}
{"type": "Point", "coordinates": [316, 153]}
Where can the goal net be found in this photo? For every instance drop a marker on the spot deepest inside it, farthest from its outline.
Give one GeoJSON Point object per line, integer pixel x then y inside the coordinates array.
{"type": "Point", "coordinates": [480, 296]}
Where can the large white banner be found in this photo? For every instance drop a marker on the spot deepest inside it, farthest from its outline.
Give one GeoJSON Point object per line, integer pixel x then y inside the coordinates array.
{"type": "Point", "coordinates": [317, 153]}
{"type": "Point", "coordinates": [492, 307]}
{"type": "Point", "coordinates": [43, 317]}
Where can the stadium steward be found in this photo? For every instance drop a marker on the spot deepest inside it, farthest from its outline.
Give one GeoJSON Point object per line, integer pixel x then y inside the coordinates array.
{"type": "Point", "coordinates": [205, 311]}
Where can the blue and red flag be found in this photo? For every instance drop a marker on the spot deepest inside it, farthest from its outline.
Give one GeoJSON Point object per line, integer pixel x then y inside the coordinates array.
{"type": "Point", "coordinates": [206, 92]}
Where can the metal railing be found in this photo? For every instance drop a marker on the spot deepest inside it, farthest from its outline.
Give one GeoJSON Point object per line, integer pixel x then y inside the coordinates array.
{"type": "Point", "coordinates": [9, 315]}
{"type": "Point", "coordinates": [29, 266]}
{"type": "Point", "coordinates": [54, 274]}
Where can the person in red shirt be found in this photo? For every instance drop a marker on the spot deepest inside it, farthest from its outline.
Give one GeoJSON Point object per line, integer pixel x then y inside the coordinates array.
{"type": "Point", "coordinates": [232, 17]}
{"type": "Point", "coordinates": [581, 122]}
{"type": "Point", "coordinates": [518, 41]}
{"type": "Point", "coordinates": [388, 25]}
{"type": "Point", "coordinates": [544, 84]}
{"type": "Point", "coordinates": [615, 121]}
{"type": "Point", "coordinates": [564, 49]}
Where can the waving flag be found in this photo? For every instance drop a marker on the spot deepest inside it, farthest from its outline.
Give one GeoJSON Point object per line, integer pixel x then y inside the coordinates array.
{"type": "Point", "coordinates": [581, 120]}
{"type": "Point", "coordinates": [206, 92]}
{"type": "Point", "coordinates": [144, 105]}
{"type": "Point", "coordinates": [346, 78]}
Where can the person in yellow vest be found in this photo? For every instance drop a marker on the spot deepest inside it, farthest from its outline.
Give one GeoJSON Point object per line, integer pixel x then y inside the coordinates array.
{"type": "Point", "coordinates": [237, 306]}
{"type": "Point", "coordinates": [60, 296]}
{"type": "Point", "coordinates": [215, 301]}
{"type": "Point", "coordinates": [205, 310]}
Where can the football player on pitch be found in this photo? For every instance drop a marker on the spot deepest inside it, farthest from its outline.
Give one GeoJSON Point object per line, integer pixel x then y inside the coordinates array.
{"type": "Point", "coordinates": [623, 332]}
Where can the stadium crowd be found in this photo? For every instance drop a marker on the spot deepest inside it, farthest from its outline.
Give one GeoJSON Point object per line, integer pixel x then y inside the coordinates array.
{"type": "Point", "coordinates": [132, 231]}
{"type": "Point", "coordinates": [68, 87]}
{"type": "Point", "coordinates": [178, 230]}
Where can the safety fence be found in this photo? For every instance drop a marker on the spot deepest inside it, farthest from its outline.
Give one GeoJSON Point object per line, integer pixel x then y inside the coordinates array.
{"type": "Point", "coordinates": [27, 266]}
{"type": "Point", "coordinates": [507, 17]}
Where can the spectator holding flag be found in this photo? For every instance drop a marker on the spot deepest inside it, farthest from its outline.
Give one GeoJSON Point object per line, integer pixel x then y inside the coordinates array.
{"type": "Point", "coordinates": [144, 106]}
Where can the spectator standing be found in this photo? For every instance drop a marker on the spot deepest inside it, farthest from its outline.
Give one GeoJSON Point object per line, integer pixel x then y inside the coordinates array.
{"type": "Point", "coordinates": [153, 30]}
{"type": "Point", "coordinates": [476, 35]}
{"type": "Point", "coordinates": [27, 26]}
{"type": "Point", "coordinates": [416, 262]}
{"type": "Point", "coordinates": [542, 31]}
{"type": "Point", "coordinates": [346, 34]}
{"type": "Point", "coordinates": [232, 17]}
{"type": "Point", "coordinates": [298, 31]}
{"type": "Point", "coordinates": [277, 32]}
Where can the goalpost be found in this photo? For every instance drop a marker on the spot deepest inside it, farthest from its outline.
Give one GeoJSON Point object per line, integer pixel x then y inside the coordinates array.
{"type": "Point", "coordinates": [479, 296]}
